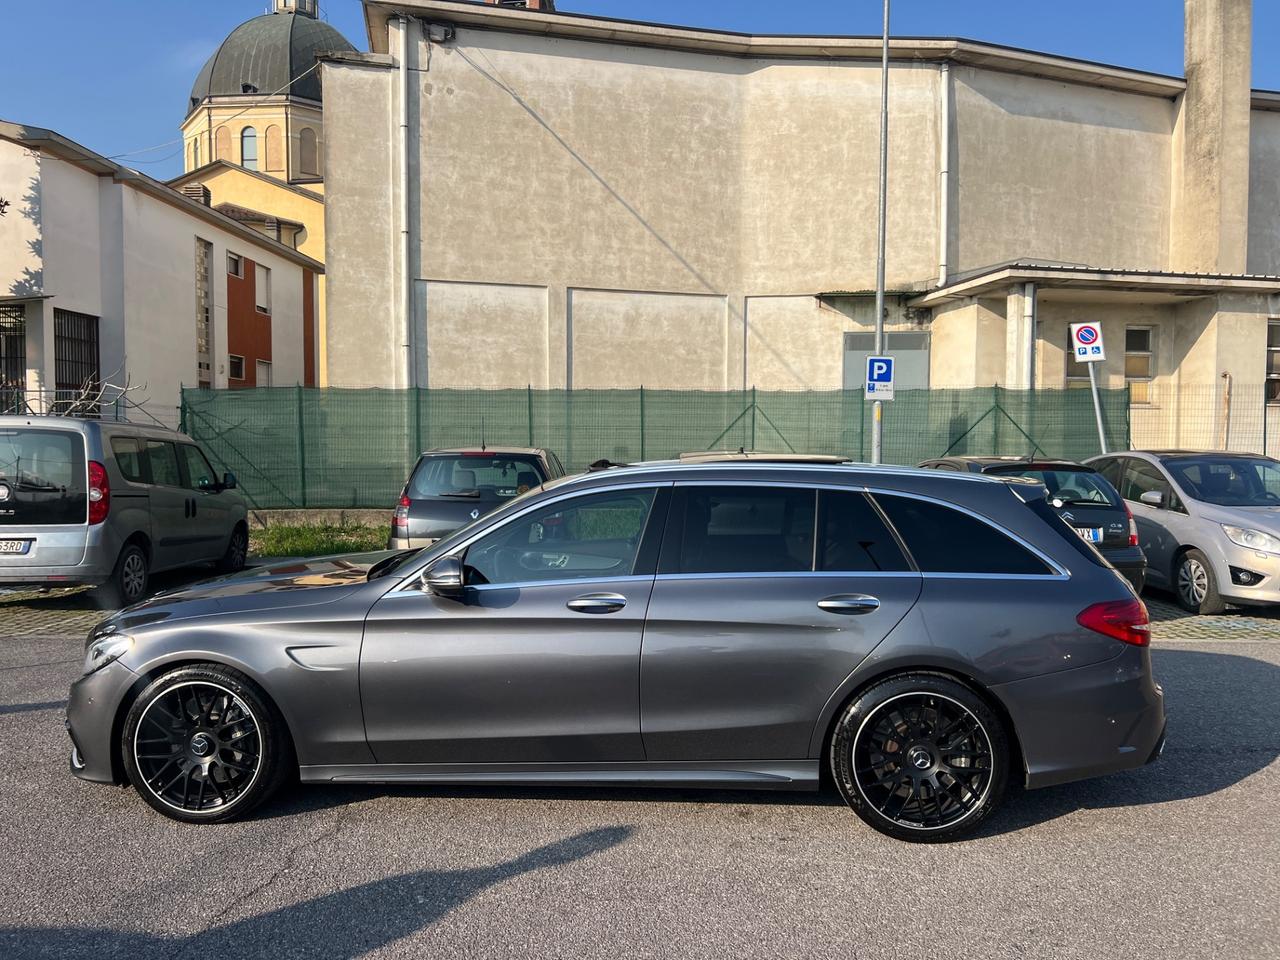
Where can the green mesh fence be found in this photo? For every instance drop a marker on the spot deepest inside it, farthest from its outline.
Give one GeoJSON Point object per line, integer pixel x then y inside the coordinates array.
{"type": "Point", "coordinates": [296, 447]}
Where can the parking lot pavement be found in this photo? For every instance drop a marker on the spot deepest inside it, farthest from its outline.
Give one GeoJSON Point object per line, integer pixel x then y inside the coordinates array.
{"type": "Point", "coordinates": [1181, 858]}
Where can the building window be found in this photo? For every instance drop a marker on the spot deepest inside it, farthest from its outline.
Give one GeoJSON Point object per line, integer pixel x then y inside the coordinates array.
{"type": "Point", "coordinates": [222, 144]}
{"type": "Point", "coordinates": [262, 286]}
{"type": "Point", "coordinates": [235, 367]}
{"type": "Point", "coordinates": [75, 354]}
{"type": "Point", "coordinates": [235, 266]}
{"type": "Point", "coordinates": [262, 373]}
{"type": "Point", "coordinates": [910, 351]}
{"type": "Point", "coordinates": [249, 148]}
{"type": "Point", "coordinates": [1273, 361]}
{"type": "Point", "coordinates": [204, 312]}
{"type": "Point", "coordinates": [195, 153]}
{"type": "Point", "coordinates": [275, 148]}
{"type": "Point", "coordinates": [1139, 362]}
{"type": "Point", "coordinates": [308, 153]}
{"type": "Point", "coordinates": [13, 356]}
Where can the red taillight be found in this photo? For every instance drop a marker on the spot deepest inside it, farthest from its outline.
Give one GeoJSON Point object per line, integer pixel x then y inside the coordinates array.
{"type": "Point", "coordinates": [401, 517]}
{"type": "Point", "coordinates": [1133, 527]}
{"type": "Point", "coordinates": [99, 493]}
{"type": "Point", "coordinates": [1124, 620]}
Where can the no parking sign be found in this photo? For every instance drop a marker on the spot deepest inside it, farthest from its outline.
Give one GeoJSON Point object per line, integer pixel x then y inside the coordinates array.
{"type": "Point", "coordinates": [1086, 342]}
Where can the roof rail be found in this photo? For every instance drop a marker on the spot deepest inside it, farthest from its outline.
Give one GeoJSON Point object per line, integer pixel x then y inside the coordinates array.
{"type": "Point", "coordinates": [741, 455]}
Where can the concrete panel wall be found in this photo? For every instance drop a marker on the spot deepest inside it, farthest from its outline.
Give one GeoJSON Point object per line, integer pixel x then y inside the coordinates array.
{"type": "Point", "coordinates": [72, 240]}
{"type": "Point", "coordinates": [624, 339]}
{"type": "Point", "coordinates": [484, 335]}
{"type": "Point", "coordinates": [1264, 193]}
{"type": "Point", "coordinates": [1056, 171]}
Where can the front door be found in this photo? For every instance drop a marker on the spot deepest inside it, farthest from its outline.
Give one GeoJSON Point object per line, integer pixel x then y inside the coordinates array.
{"type": "Point", "coordinates": [172, 527]}
{"type": "Point", "coordinates": [767, 597]}
{"type": "Point", "coordinates": [1158, 540]}
{"type": "Point", "coordinates": [210, 508]}
{"type": "Point", "coordinates": [538, 660]}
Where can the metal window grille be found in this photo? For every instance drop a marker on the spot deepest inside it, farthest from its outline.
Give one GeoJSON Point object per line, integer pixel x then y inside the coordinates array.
{"type": "Point", "coordinates": [75, 352]}
{"type": "Point", "coordinates": [13, 356]}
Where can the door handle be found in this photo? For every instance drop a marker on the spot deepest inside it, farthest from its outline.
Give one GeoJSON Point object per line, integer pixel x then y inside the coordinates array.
{"type": "Point", "coordinates": [193, 506]}
{"type": "Point", "coordinates": [850, 605]}
{"type": "Point", "coordinates": [186, 508]}
{"type": "Point", "coordinates": [597, 603]}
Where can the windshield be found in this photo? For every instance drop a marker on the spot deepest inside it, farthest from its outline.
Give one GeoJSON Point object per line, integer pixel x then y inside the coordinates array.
{"type": "Point", "coordinates": [484, 477]}
{"type": "Point", "coordinates": [42, 477]}
{"type": "Point", "coordinates": [1229, 481]}
{"type": "Point", "coordinates": [1075, 487]}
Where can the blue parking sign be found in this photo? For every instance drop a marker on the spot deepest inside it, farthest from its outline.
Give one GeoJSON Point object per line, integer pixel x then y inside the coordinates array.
{"type": "Point", "coordinates": [879, 378]}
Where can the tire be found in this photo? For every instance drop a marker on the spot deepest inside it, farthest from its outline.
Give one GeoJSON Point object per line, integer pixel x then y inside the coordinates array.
{"type": "Point", "coordinates": [237, 550]}
{"type": "Point", "coordinates": [920, 757]}
{"type": "Point", "coordinates": [129, 580]}
{"type": "Point", "coordinates": [204, 744]}
{"type": "Point", "coordinates": [1196, 586]}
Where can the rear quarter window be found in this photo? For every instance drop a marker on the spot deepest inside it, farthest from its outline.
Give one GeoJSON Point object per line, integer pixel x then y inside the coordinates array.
{"type": "Point", "coordinates": [943, 539]}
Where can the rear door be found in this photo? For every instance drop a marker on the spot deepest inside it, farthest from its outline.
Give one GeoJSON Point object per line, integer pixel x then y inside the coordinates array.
{"type": "Point", "coordinates": [43, 498]}
{"type": "Point", "coordinates": [745, 639]}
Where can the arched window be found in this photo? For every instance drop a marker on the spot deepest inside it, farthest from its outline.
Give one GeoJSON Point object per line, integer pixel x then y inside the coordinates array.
{"type": "Point", "coordinates": [275, 151]}
{"type": "Point", "coordinates": [249, 148]}
{"type": "Point", "coordinates": [308, 153]}
{"type": "Point", "coordinates": [195, 153]}
{"type": "Point", "coordinates": [222, 144]}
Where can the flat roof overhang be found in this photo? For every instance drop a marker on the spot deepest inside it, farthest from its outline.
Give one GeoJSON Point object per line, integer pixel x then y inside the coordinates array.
{"type": "Point", "coordinates": [1097, 285]}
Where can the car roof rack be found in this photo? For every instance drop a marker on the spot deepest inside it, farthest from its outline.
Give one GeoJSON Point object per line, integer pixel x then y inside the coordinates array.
{"type": "Point", "coordinates": [742, 455]}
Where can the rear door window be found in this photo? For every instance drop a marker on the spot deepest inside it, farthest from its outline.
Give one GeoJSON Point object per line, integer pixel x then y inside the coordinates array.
{"type": "Point", "coordinates": [129, 458]}
{"type": "Point", "coordinates": [162, 460]}
{"type": "Point", "coordinates": [745, 529]}
{"type": "Point", "coordinates": [853, 538]}
{"type": "Point", "coordinates": [942, 539]}
{"type": "Point", "coordinates": [42, 477]}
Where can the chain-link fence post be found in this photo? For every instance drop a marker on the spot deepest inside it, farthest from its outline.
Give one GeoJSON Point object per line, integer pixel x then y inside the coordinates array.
{"type": "Point", "coordinates": [529, 398]}
{"type": "Point", "coordinates": [302, 448]}
{"type": "Point", "coordinates": [642, 422]}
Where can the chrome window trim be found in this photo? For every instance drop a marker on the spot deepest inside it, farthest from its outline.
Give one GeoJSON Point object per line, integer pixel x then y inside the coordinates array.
{"type": "Point", "coordinates": [530, 584]}
{"type": "Point", "coordinates": [793, 575]}
{"type": "Point", "coordinates": [408, 581]}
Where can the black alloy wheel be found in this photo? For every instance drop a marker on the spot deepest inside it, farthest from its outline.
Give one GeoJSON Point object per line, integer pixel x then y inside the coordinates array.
{"type": "Point", "coordinates": [920, 758]}
{"type": "Point", "coordinates": [237, 551]}
{"type": "Point", "coordinates": [202, 744]}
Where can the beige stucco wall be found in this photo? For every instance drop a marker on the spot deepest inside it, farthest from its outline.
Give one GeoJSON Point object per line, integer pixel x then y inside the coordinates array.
{"type": "Point", "coordinates": [1264, 193]}
{"type": "Point", "coordinates": [21, 256]}
{"type": "Point", "coordinates": [1057, 171]}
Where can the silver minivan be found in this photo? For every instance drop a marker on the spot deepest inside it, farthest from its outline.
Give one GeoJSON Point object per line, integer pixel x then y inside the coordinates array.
{"type": "Point", "coordinates": [1209, 523]}
{"type": "Point", "coordinates": [109, 503]}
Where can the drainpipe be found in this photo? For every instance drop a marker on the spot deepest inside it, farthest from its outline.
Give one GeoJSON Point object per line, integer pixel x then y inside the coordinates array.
{"type": "Point", "coordinates": [1029, 331]}
{"type": "Point", "coordinates": [406, 281]}
{"type": "Point", "coordinates": [944, 173]}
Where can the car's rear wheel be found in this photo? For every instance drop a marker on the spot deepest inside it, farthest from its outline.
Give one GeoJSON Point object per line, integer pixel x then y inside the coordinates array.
{"type": "Point", "coordinates": [129, 579]}
{"type": "Point", "coordinates": [920, 757]}
{"type": "Point", "coordinates": [1197, 586]}
{"type": "Point", "coordinates": [203, 744]}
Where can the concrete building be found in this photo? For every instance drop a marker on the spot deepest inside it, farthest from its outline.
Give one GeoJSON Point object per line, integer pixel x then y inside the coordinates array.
{"type": "Point", "coordinates": [254, 130]}
{"type": "Point", "coordinates": [108, 275]}
{"type": "Point", "coordinates": [519, 197]}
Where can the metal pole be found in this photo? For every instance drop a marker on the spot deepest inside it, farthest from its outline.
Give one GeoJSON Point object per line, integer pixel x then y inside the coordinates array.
{"type": "Point", "coordinates": [877, 421]}
{"type": "Point", "coordinates": [1097, 407]}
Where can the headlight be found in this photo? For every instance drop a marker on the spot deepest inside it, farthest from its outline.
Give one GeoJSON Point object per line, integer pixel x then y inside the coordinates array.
{"type": "Point", "coordinates": [104, 650]}
{"type": "Point", "coordinates": [1252, 539]}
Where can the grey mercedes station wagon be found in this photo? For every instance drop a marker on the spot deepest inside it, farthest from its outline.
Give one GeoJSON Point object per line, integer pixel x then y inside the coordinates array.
{"type": "Point", "coordinates": [925, 639]}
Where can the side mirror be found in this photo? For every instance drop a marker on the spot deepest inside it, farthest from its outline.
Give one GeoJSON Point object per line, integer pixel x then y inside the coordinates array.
{"type": "Point", "coordinates": [443, 578]}
{"type": "Point", "coordinates": [1153, 498]}
{"type": "Point", "coordinates": [206, 483]}
{"type": "Point", "coordinates": [228, 481]}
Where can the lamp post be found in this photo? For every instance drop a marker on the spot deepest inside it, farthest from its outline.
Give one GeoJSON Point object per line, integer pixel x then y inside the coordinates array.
{"type": "Point", "coordinates": [877, 413]}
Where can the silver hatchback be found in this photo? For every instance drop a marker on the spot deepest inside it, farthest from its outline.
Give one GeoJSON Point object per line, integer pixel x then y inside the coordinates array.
{"type": "Point", "coordinates": [108, 503]}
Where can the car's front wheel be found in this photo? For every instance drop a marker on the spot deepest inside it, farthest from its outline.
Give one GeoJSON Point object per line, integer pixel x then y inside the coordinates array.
{"type": "Point", "coordinates": [1197, 585]}
{"type": "Point", "coordinates": [920, 757]}
{"type": "Point", "coordinates": [203, 744]}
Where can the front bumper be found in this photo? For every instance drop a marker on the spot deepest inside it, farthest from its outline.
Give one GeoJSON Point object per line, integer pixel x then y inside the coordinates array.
{"type": "Point", "coordinates": [1264, 569]}
{"type": "Point", "coordinates": [1094, 720]}
{"type": "Point", "coordinates": [92, 709]}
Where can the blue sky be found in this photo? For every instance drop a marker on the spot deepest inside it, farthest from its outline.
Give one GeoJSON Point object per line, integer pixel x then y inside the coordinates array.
{"type": "Point", "coordinates": [117, 79]}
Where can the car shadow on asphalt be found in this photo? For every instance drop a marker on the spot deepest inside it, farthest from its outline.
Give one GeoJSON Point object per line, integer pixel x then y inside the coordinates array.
{"type": "Point", "coordinates": [335, 926]}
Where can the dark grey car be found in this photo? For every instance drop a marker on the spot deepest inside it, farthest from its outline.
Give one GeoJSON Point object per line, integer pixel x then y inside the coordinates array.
{"type": "Point", "coordinates": [925, 638]}
{"type": "Point", "coordinates": [447, 489]}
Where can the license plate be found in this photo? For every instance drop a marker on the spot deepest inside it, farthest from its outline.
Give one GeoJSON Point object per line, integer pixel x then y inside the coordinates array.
{"type": "Point", "coordinates": [1091, 534]}
{"type": "Point", "coordinates": [14, 546]}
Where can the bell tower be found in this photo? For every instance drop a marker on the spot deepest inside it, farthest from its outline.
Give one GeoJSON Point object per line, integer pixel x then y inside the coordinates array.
{"type": "Point", "coordinates": [304, 8]}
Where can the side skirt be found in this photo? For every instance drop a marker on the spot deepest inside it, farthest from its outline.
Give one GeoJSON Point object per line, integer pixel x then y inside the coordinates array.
{"type": "Point", "coordinates": [735, 774]}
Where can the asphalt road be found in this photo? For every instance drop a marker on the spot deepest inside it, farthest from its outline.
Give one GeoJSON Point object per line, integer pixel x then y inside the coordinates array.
{"type": "Point", "coordinates": [1181, 859]}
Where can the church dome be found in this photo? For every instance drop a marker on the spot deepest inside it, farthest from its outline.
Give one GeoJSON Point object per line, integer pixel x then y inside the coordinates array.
{"type": "Point", "coordinates": [269, 54]}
